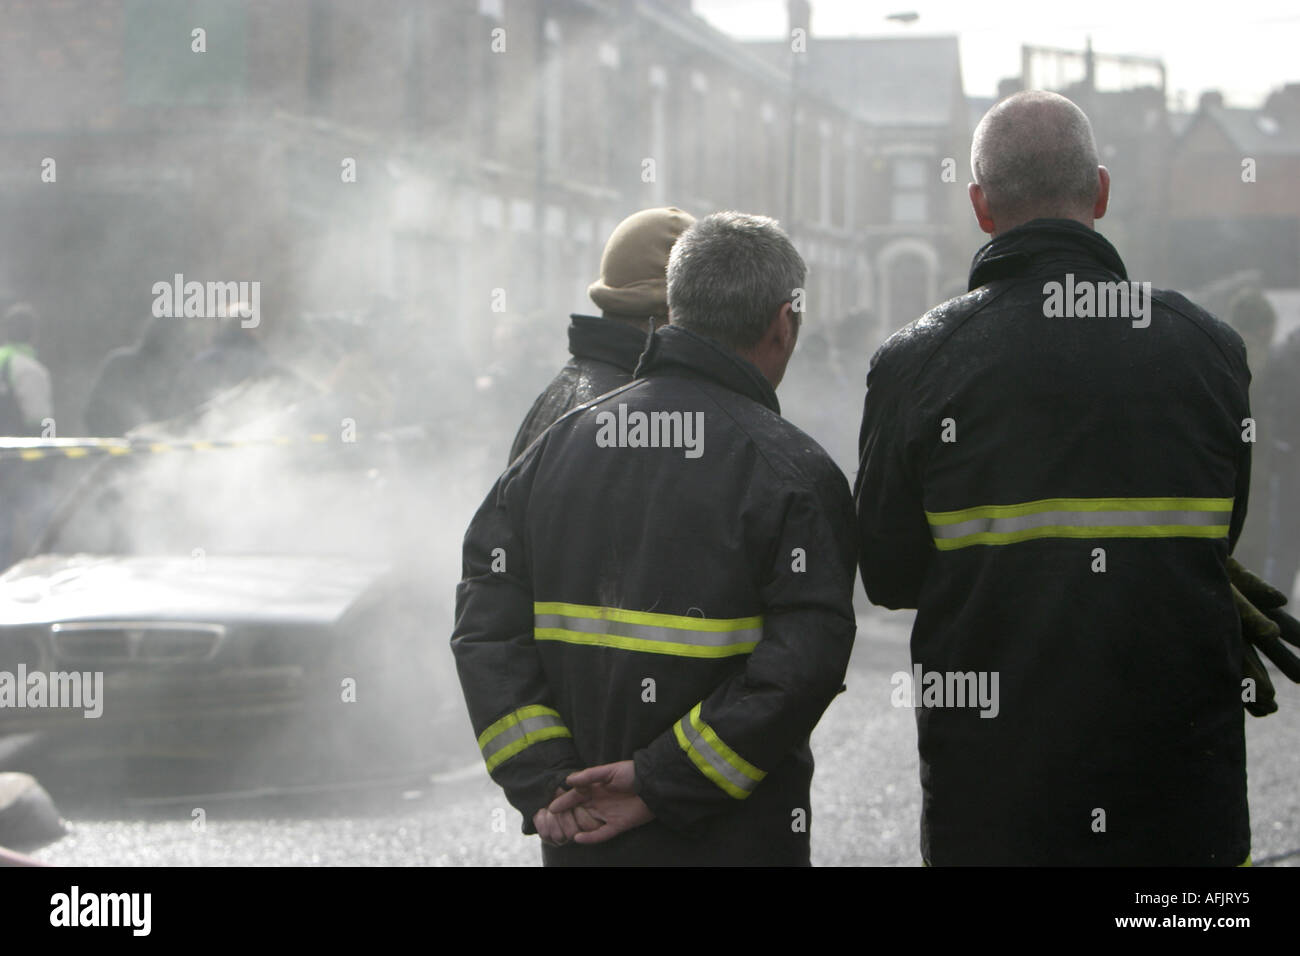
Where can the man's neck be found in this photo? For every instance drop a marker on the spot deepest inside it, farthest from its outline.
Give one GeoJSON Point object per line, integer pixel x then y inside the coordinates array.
{"type": "Point", "coordinates": [998, 230]}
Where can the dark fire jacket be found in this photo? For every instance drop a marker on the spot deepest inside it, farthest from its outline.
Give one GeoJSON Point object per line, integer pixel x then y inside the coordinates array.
{"type": "Point", "coordinates": [1057, 496]}
{"type": "Point", "coordinates": [627, 598]}
{"type": "Point", "coordinates": [605, 353]}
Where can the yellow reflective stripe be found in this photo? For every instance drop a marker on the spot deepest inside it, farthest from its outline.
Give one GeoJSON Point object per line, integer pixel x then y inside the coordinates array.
{"type": "Point", "coordinates": [1070, 531]}
{"type": "Point", "coordinates": [518, 731]}
{"type": "Point", "coordinates": [644, 631]}
{"type": "Point", "coordinates": [1080, 504]}
{"type": "Point", "coordinates": [642, 645]}
{"type": "Point", "coordinates": [683, 622]}
{"type": "Point", "coordinates": [533, 737]}
{"type": "Point", "coordinates": [1081, 518]}
{"type": "Point", "coordinates": [732, 773]}
{"type": "Point", "coordinates": [509, 720]}
{"type": "Point", "coordinates": [733, 758]}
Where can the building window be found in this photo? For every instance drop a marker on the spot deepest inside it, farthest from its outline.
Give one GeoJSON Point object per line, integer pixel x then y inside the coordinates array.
{"type": "Point", "coordinates": [552, 97]}
{"type": "Point", "coordinates": [909, 174]}
{"type": "Point", "coordinates": [491, 212]}
{"type": "Point", "coordinates": [554, 224]}
{"type": "Point", "coordinates": [160, 66]}
{"type": "Point", "coordinates": [658, 132]}
{"type": "Point", "coordinates": [909, 198]}
{"type": "Point", "coordinates": [908, 207]}
{"type": "Point", "coordinates": [521, 215]}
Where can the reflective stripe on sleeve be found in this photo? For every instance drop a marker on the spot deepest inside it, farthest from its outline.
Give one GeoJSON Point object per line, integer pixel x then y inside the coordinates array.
{"type": "Point", "coordinates": [1081, 518]}
{"type": "Point", "coordinates": [518, 731]}
{"type": "Point", "coordinates": [646, 632]}
{"type": "Point", "coordinates": [713, 758]}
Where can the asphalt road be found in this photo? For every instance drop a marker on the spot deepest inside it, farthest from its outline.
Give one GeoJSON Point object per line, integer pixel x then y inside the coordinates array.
{"type": "Point", "coordinates": [866, 798]}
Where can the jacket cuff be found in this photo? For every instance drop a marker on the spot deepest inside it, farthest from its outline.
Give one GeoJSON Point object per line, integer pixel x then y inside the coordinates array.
{"type": "Point", "coordinates": [533, 798]}
{"type": "Point", "coordinates": [672, 813]}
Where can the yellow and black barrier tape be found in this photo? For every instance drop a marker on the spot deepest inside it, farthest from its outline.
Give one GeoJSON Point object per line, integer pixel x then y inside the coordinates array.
{"type": "Point", "coordinates": [36, 449]}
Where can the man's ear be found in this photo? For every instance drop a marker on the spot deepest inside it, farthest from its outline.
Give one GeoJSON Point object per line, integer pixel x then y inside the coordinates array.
{"type": "Point", "coordinates": [786, 327]}
{"type": "Point", "coordinates": [1103, 192]}
{"type": "Point", "coordinates": [980, 203]}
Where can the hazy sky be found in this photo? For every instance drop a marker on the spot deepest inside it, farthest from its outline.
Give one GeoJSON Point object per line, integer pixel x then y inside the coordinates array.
{"type": "Point", "coordinates": [1245, 50]}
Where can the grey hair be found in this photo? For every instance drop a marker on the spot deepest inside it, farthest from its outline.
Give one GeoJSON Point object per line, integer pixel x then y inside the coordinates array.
{"type": "Point", "coordinates": [1034, 156]}
{"type": "Point", "coordinates": [729, 274]}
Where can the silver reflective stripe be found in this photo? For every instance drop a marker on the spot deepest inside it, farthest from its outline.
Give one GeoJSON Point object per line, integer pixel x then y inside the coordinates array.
{"type": "Point", "coordinates": [648, 632]}
{"type": "Point", "coordinates": [518, 732]}
{"type": "Point", "coordinates": [715, 760]}
{"type": "Point", "coordinates": [1081, 519]}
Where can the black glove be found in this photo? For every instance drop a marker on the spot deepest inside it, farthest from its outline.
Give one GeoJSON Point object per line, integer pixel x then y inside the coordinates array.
{"type": "Point", "coordinates": [1264, 625]}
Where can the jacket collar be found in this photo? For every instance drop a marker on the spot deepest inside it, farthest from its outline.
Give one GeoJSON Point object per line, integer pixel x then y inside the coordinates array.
{"type": "Point", "coordinates": [606, 340]}
{"type": "Point", "coordinates": [675, 350]}
{"type": "Point", "coordinates": [1043, 246]}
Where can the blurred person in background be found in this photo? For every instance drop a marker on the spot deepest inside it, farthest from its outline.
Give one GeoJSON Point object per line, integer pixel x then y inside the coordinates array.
{"type": "Point", "coordinates": [632, 294]}
{"type": "Point", "coordinates": [1253, 318]}
{"type": "Point", "coordinates": [1271, 542]}
{"type": "Point", "coordinates": [26, 404]}
{"type": "Point", "coordinates": [233, 356]}
{"type": "Point", "coordinates": [135, 383]}
{"type": "Point", "coordinates": [25, 392]}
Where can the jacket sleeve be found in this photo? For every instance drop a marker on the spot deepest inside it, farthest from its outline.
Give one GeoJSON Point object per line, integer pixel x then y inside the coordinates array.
{"type": "Point", "coordinates": [524, 741]}
{"type": "Point", "coordinates": [1241, 500]}
{"type": "Point", "coordinates": [895, 540]}
{"type": "Point", "coordinates": [715, 755]}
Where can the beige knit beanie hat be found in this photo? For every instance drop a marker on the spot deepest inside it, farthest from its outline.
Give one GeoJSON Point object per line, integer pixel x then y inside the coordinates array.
{"type": "Point", "coordinates": [633, 270]}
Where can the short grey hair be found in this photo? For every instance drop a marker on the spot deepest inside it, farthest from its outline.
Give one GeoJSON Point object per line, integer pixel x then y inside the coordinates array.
{"type": "Point", "coordinates": [728, 276]}
{"type": "Point", "coordinates": [1034, 156]}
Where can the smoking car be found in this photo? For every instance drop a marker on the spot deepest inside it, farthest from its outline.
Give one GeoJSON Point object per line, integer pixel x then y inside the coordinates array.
{"type": "Point", "coordinates": [254, 599]}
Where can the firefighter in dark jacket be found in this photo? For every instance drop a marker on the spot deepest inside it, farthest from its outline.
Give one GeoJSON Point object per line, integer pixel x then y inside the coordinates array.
{"type": "Point", "coordinates": [632, 294]}
{"type": "Point", "coordinates": [1054, 468]}
{"type": "Point", "coordinates": [657, 597]}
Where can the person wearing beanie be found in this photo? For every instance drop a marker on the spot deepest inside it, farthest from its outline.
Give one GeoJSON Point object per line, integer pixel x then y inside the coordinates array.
{"type": "Point", "coordinates": [632, 294]}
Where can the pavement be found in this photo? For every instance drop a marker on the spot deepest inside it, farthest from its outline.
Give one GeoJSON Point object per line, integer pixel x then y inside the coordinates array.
{"type": "Point", "coordinates": [865, 806]}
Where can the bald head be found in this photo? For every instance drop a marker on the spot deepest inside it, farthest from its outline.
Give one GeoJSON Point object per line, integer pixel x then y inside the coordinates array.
{"type": "Point", "coordinates": [1034, 157]}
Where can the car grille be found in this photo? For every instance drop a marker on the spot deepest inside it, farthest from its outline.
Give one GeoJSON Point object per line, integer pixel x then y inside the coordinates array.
{"type": "Point", "coordinates": [21, 649]}
{"type": "Point", "coordinates": [143, 642]}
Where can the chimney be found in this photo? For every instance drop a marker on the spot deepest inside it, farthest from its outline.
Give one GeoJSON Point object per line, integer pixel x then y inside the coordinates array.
{"type": "Point", "coordinates": [800, 15]}
{"type": "Point", "coordinates": [1009, 85]}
